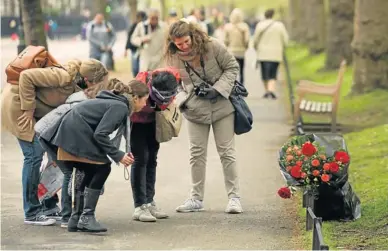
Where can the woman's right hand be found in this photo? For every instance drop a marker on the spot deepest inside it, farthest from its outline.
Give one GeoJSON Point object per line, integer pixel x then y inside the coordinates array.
{"type": "Point", "coordinates": [127, 159]}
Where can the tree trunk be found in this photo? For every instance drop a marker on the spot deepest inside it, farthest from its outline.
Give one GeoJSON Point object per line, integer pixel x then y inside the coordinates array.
{"type": "Point", "coordinates": [293, 6]}
{"type": "Point", "coordinates": [316, 28]}
{"type": "Point", "coordinates": [99, 7]}
{"type": "Point", "coordinates": [13, 9]}
{"type": "Point", "coordinates": [33, 23]}
{"type": "Point", "coordinates": [298, 19]}
{"type": "Point", "coordinates": [163, 10]}
{"type": "Point", "coordinates": [132, 10]}
{"type": "Point", "coordinates": [340, 33]}
{"type": "Point", "coordinates": [370, 46]}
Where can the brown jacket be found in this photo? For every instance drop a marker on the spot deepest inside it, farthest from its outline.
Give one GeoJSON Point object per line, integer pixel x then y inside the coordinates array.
{"type": "Point", "coordinates": [42, 89]}
{"type": "Point", "coordinates": [221, 69]}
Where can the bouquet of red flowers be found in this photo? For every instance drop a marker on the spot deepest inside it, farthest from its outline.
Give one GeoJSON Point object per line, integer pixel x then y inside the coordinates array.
{"type": "Point", "coordinates": [311, 161]}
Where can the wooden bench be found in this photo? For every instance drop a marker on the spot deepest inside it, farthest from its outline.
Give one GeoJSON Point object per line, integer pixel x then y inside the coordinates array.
{"type": "Point", "coordinates": [306, 87]}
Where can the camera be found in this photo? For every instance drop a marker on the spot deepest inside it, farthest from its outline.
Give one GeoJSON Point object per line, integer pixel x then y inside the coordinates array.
{"type": "Point", "coordinates": [200, 91]}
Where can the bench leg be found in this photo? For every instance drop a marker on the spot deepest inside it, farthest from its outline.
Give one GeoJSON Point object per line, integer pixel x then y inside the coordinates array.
{"type": "Point", "coordinates": [334, 123]}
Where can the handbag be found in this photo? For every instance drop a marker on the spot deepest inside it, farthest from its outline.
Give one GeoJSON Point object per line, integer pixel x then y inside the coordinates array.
{"type": "Point", "coordinates": [243, 118]}
{"type": "Point", "coordinates": [168, 123]}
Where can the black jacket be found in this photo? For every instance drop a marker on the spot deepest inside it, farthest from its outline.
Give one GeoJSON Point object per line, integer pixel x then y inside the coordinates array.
{"type": "Point", "coordinates": [84, 130]}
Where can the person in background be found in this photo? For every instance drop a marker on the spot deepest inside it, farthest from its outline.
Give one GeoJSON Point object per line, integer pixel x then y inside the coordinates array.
{"type": "Point", "coordinates": [269, 41]}
{"type": "Point", "coordinates": [147, 36]}
{"type": "Point", "coordinates": [163, 85]}
{"type": "Point", "coordinates": [237, 38]}
{"type": "Point", "coordinates": [208, 73]}
{"type": "Point", "coordinates": [140, 17]}
{"type": "Point", "coordinates": [102, 37]}
{"type": "Point", "coordinates": [172, 17]}
{"type": "Point", "coordinates": [90, 123]}
{"type": "Point", "coordinates": [39, 91]}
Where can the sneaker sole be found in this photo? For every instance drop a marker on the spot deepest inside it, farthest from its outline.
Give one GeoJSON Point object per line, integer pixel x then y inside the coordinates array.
{"type": "Point", "coordinates": [234, 212]}
{"type": "Point", "coordinates": [50, 223]}
{"type": "Point", "coordinates": [190, 210]}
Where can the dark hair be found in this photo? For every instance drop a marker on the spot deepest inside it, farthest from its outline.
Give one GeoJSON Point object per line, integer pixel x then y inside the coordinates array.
{"type": "Point", "coordinates": [142, 15]}
{"type": "Point", "coordinates": [269, 13]}
{"type": "Point", "coordinates": [164, 81]}
{"type": "Point", "coordinates": [134, 88]}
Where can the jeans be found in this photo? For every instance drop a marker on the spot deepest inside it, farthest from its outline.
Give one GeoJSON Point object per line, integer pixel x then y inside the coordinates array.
{"type": "Point", "coordinates": [135, 63]}
{"type": "Point", "coordinates": [33, 155]}
{"type": "Point", "coordinates": [66, 205]}
{"type": "Point", "coordinates": [143, 172]}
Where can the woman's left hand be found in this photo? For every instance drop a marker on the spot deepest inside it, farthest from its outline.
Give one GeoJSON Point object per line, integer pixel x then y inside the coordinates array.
{"type": "Point", "coordinates": [25, 120]}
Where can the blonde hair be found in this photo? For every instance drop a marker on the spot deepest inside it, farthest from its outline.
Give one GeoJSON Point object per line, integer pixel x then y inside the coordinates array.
{"type": "Point", "coordinates": [73, 67]}
{"type": "Point", "coordinates": [183, 28]}
{"type": "Point", "coordinates": [92, 91]}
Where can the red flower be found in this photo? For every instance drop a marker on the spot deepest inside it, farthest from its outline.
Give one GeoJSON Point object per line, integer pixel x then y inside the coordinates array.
{"type": "Point", "coordinates": [316, 173]}
{"type": "Point", "coordinates": [326, 167]}
{"type": "Point", "coordinates": [296, 172]}
{"type": "Point", "coordinates": [342, 156]}
{"type": "Point", "coordinates": [303, 175]}
{"type": "Point", "coordinates": [334, 167]}
{"type": "Point", "coordinates": [308, 149]}
{"type": "Point", "coordinates": [315, 162]}
{"type": "Point", "coordinates": [299, 163]}
{"type": "Point", "coordinates": [284, 192]}
{"type": "Point", "coordinates": [325, 177]}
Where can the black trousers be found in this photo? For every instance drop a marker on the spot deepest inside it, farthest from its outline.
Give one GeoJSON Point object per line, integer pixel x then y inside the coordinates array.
{"type": "Point", "coordinates": [241, 63]}
{"type": "Point", "coordinates": [95, 175]}
{"type": "Point", "coordinates": [145, 149]}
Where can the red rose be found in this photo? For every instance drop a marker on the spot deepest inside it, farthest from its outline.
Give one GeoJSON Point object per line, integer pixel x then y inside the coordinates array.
{"type": "Point", "coordinates": [303, 175]}
{"type": "Point", "coordinates": [316, 173]}
{"type": "Point", "coordinates": [325, 177]}
{"type": "Point", "coordinates": [326, 167]}
{"type": "Point", "coordinates": [299, 163]}
{"type": "Point", "coordinates": [308, 149]}
{"type": "Point", "coordinates": [284, 192]}
{"type": "Point", "coordinates": [296, 171]}
{"type": "Point", "coordinates": [342, 156]}
{"type": "Point", "coordinates": [315, 162]}
{"type": "Point", "coordinates": [334, 167]}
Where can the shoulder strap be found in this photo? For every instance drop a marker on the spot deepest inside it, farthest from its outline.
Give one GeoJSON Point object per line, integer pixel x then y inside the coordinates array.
{"type": "Point", "coordinates": [189, 68]}
{"type": "Point", "coordinates": [262, 33]}
{"type": "Point", "coordinates": [145, 29]}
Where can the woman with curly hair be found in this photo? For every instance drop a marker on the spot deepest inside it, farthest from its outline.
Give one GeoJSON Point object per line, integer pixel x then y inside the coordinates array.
{"type": "Point", "coordinates": [208, 73]}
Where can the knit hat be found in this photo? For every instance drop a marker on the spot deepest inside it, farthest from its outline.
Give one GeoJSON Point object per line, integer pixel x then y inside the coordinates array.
{"type": "Point", "coordinates": [93, 70]}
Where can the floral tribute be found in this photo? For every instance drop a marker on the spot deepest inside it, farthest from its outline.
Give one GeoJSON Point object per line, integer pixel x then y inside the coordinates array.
{"type": "Point", "coordinates": [304, 162]}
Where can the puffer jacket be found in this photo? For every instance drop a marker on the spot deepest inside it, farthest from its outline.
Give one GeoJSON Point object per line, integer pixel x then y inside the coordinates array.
{"type": "Point", "coordinates": [221, 69]}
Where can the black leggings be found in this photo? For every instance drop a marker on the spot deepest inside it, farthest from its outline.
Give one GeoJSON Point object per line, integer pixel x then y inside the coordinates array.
{"type": "Point", "coordinates": [95, 175]}
{"type": "Point", "coordinates": [241, 63]}
{"type": "Point", "coordinates": [143, 172]}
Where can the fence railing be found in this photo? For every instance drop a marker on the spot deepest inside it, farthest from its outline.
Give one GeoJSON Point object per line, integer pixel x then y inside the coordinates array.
{"type": "Point", "coordinates": [313, 223]}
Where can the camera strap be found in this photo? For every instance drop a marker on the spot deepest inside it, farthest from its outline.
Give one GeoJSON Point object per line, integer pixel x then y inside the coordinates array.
{"type": "Point", "coordinates": [189, 68]}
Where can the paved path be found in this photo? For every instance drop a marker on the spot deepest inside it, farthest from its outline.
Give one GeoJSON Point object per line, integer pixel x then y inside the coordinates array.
{"type": "Point", "coordinates": [267, 222]}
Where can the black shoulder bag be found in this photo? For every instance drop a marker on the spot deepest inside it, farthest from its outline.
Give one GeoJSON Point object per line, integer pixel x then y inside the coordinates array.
{"type": "Point", "coordinates": [243, 118]}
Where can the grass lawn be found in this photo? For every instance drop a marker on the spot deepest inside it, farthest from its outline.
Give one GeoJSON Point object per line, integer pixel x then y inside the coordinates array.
{"type": "Point", "coordinates": [359, 111]}
{"type": "Point", "coordinates": [368, 148]}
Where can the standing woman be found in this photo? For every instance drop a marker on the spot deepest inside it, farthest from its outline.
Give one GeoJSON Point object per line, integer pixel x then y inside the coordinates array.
{"type": "Point", "coordinates": [237, 38]}
{"type": "Point", "coordinates": [82, 138]}
{"type": "Point", "coordinates": [208, 73]}
{"type": "Point", "coordinates": [39, 91]}
{"type": "Point", "coordinates": [163, 85]}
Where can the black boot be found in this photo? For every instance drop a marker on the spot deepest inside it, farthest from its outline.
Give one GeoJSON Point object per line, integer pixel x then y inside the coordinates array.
{"type": "Point", "coordinates": [76, 213]}
{"type": "Point", "coordinates": [87, 221]}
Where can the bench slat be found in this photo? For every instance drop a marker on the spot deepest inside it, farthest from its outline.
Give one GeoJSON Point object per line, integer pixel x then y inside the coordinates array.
{"type": "Point", "coordinates": [319, 105]}
{"type": "Point", "coordinates": [313, 106]}
{"type": "Point", "coordinates": [302, 104]}
{"type": "Point", "coordinates": [329, 107]}
{"type": "Point", "coordinates": [308, 105]}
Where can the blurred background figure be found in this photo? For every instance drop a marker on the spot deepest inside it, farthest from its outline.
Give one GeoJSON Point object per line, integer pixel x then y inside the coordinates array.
{"type": "Point", "coordinates": [172, 17]}
{"type": "Point", "coordinates": [148, 36]}
{"type": "Point", "coordinates": [102, 37]}
{"type": "Point", "coordinates": [237, 38]}
{"type": "Point", "coordinates": [269, 41]}
{"type": "Point", "coordinates": [141, 16]}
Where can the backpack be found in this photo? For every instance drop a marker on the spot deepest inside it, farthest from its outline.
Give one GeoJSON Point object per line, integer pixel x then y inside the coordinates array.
{"type": "Point", "coordinates": [131, 46]}
{"type": "Point", "coordinates": [31, 57]}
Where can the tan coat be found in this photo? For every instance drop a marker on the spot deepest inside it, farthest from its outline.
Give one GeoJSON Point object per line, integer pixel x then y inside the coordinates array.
{"type": "Point", "coordinates": [237, 35]}
{"type": "Point", "coordinates": [271, 44]}
{"type": "Point", "coordinates": [42, 89]}
{"type": "Point", "coordinates": [221, 69]}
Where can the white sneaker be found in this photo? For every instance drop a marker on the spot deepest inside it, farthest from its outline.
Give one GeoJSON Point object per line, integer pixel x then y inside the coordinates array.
{"type": "Point", "coordinates": [156, 212]}
{"type": "Point", "coordinates": [234, 206]}
{"type": "Point", "coordinates": [41, 220]}
{"type": "Point", "coordinates": [190, 205]}
{"type": "Point", "coordinates": [143, 214]}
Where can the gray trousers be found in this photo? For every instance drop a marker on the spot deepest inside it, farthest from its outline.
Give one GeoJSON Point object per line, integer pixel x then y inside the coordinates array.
{"type": "Point", "coordinates": [224, 138]}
